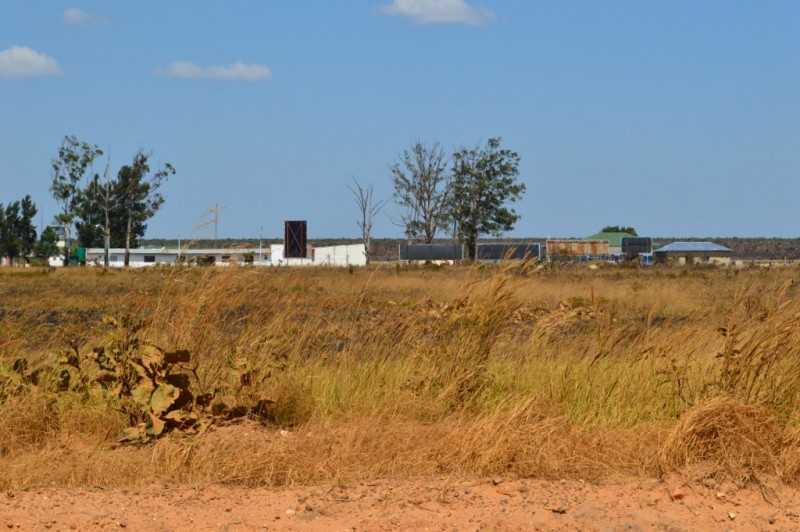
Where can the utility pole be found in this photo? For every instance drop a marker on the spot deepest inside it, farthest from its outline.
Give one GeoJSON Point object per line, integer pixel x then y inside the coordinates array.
{"type": "Point", "coordinates": [260, 238]}
{"type": "Point", "coordinates": [216, 221]}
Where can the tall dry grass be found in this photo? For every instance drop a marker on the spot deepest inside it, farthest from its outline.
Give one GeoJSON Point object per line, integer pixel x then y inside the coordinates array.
{"type": "Point", "coordinates": [393, 372]}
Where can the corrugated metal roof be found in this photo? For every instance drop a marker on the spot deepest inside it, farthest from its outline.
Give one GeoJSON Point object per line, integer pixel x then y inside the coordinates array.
{"type": "Point", "coordinates": [702, 247]}
{"type": "Point", "coordinates": [614, 239]}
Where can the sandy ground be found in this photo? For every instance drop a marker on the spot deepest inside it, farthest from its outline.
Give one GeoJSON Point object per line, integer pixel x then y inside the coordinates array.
{"type": "Point", "coordinates": [431, 504]}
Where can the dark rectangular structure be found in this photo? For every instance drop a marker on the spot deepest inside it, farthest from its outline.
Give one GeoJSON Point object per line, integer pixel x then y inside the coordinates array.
{"type": "Point", "coordinates": [431, 252]}
{"type": "Point", "coordinates": [294, 239]}
{"type": "Point", "coordinates": [637, 244]}
{"type": "Point", "coordinates": [507, 251]}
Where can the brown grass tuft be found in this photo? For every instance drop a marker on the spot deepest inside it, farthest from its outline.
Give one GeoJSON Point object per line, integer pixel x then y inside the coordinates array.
{"type": "Point", "coordinates": [727, 434]}
{"type": "Point", "coordinates": [790, 457]}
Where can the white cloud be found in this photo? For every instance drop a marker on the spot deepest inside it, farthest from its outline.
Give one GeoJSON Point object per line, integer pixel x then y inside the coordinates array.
{"type": "Point", "coordinates": [237, 71]}
{"type": "Point", "coordinates": [22, 62]}
{"type": "Point", "coordinates": [439, 12]}
{"type": "Point", "coordinates": [78, 17]}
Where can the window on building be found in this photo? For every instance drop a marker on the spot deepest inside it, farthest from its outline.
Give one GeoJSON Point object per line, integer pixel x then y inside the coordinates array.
{"type": "Point", "coordinates": [149, 258]}
{"type": "Point", "coordinates": [112, 258]}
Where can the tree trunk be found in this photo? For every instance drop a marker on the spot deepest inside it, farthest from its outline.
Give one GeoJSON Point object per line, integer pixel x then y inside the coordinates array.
{"type": "Point", "coordinates": [472, 249]}
{"type": "Point", "coordinates": [106, 237]}
{"type": "Point", "coordinates": [128, 242]}
{"type": "Point", "coordinates": [66, 244]}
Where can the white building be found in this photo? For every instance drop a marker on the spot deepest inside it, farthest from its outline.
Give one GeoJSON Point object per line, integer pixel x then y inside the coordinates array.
{"type": "Point", "coordinates": [140, 257]}
{"type": "Point", "coordinates": [345, 255]}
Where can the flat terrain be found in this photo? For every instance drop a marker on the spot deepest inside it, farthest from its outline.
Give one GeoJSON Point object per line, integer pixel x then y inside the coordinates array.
{"type": "Point", "coordinates": [438, 503]}
{"type": "Point", "coordinates": [590, 397]}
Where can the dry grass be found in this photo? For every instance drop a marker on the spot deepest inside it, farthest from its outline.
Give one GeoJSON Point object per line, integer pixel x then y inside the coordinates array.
{"type": "Point", "coordinates": [389, 372]}
{"type": "Point", "coordinates": [726, 433]}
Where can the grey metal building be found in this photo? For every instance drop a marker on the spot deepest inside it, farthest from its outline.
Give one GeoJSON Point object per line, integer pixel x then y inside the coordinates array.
{"type": "Point", "coordinates": [691, 252]}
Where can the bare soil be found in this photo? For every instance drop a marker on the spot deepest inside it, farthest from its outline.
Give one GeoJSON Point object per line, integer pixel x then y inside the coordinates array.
{"type": "Point", "coordinates": [685, 502]}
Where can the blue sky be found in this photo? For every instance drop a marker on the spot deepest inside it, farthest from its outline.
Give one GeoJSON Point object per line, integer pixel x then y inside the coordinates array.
{"type": "Point", "coordinates": [680, 118]}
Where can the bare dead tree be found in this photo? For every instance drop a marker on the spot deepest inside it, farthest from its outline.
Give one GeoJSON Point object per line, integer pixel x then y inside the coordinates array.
{"type": "Point", "coordinates": [368, 208]}
{"type": "Point", "coordinates": [422, 188]}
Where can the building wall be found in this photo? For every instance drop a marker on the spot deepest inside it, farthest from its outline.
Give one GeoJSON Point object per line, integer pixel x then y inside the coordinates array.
{"type": "Point", "coordinates": [352, 254]}
{"type": "Point", "coordinates": [348, 255]}
{"type": "Point", "coordinates": [692, 257]}
{"type": "Point", "coordinates": [577, 247]}
{"type": "Point", "coordinates": [117, 259]}
{"type": "Point", "coordinates": [276, 254]}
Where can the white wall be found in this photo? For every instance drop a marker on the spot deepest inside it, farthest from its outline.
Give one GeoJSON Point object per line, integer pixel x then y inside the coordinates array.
{"type": "Point", "coordinates": [349, 255]}
{"type": "Point", "coordinates": [117, 260]}
{"type": "Point", "coordinates": [276, 254]}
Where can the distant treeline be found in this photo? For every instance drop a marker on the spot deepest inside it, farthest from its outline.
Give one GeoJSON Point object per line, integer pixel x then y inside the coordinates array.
{"type": "Point", "coordinates": [386, 248]}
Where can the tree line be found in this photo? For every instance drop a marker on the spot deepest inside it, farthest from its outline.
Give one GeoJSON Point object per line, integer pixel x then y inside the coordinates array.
{"type": "Point", "coordinates": [464, 195]}
{"type": "Point", "coordinates": [95, 210]}
{"type": "Point", "coordinates": [17, 230]}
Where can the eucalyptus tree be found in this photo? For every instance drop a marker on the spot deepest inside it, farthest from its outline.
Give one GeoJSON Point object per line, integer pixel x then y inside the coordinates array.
{"type": "Point", "coordinates": [137, 197]}
{"type": "Point", "coordinates": [74, 165]}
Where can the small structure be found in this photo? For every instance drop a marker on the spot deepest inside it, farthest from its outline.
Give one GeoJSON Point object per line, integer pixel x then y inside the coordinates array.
{"type": "Point", "coordinates": [574, 248]}
{"type": "Point", "coordinates": [691, 252]}
{"type": "Point", "coordinates": [614, 240]}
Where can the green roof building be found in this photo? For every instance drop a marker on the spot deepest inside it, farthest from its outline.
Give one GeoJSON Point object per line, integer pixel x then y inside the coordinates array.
{"type": "Point", "coordinates": [614, 240]}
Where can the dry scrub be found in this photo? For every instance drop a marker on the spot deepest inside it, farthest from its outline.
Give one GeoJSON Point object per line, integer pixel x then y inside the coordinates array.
{"type": "Point", "coordinates": [310, 375]}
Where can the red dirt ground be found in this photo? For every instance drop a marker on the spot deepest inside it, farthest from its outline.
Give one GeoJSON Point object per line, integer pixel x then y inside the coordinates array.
{"type": "Point", "coordinates": [427, 504]}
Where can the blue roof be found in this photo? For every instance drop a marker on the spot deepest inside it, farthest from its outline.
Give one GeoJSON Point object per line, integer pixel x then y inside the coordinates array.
{"type": "Point", "coordinates": [702, 247]}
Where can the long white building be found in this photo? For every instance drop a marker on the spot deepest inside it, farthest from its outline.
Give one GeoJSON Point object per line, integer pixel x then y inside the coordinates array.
{"type": "Point", "coordinates": [345, 255]}
{"type": "Point", "coordinates": [141, 257]}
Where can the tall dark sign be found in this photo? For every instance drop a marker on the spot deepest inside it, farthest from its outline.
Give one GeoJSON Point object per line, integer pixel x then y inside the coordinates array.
{"type": "Point", "coordinates": [294, 239]}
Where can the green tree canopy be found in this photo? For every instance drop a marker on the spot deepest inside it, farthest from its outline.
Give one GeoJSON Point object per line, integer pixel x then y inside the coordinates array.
{"type": "Point", "coordinates": [136, 198]}
{"type": "Point", "coordinates": [484, 180]}
{"type": "Point", "coordinates": [618, 229]}
{"type": "Point", "coordinates": [90, 215]}
{"type": "Point", "coordinates": [17, 231]}
{"type": "Point", "coordinates": [47, 246]}
{"type": "Point", "coordinates": [122, 205]}
{"type": "Point", "coordinates": [74, 163]}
